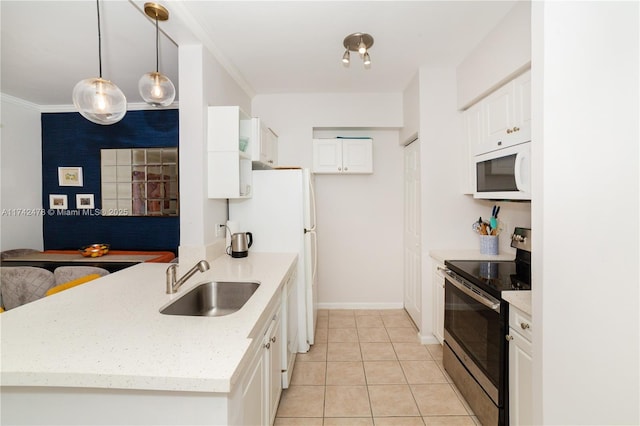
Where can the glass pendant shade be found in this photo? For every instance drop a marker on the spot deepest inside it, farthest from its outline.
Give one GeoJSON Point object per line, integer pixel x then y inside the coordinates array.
{"type": "Point", "coordinates": [99, 101]}
{"type": "Point", "coordinates": [156, 89]}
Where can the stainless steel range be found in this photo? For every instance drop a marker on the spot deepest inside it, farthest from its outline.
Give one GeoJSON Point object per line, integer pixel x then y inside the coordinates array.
{"type": "Point", "coordinates": [476, 323]}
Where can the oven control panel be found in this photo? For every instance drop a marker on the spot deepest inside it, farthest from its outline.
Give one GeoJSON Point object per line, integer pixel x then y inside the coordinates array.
{"type": "Point", "coordinates": [521, 239]}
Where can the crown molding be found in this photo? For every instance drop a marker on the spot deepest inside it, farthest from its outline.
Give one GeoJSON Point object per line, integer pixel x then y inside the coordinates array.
{"type": "Point", "coordinates": [19, 102]}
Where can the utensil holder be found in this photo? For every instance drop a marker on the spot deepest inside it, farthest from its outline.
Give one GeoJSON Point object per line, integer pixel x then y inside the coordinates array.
{"type": "Point", "coordinates": [488, 244]}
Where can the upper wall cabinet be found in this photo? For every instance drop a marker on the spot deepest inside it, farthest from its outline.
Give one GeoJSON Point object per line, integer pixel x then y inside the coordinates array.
{"type": "Point", "coordinates": [501, 119]}
{"type": "Point", "coordinates": [350, 156]}
{"type": "Point", "coordinates": [265, 145]}
{"type": "Point", "coordinates": [229, 148]}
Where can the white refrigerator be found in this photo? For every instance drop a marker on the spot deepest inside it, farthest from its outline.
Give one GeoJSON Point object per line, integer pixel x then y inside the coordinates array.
{"type": "Point", "coordinates": [281, 216]}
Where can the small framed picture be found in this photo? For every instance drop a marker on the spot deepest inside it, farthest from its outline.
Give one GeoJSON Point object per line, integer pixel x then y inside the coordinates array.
{"type": "Point", "coordinates": [84, 201]}
{"type": "Point", "coordinates": [58, 201]}
{"type": "Point", "coordinates": [70, 176]}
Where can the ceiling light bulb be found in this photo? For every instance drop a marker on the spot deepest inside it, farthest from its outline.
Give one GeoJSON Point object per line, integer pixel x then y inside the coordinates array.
{"type": "Point", "coordinates": [346, 58]}
{"type": "Point", "coordinates": [362, 48]}
{"type": "Point", "coordinates": [367, 59]}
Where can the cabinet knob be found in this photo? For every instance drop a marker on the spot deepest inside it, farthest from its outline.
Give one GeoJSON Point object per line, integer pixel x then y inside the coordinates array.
{"type": "Point", "coordinates": [270, 161]}
{"type": "Point", "coordinates": [268, 345]}
{"type": "Point", "coordinates": [499, 143]}
{"type": "Point", "coordinates": [339, 169]}
{"type": "Point", "coordinates": [346, 168]}
{"type": "Point", "coordinates": [524, 325]}
{"type": "Point", "coordinates": [508, 338]}
{"type": "Point", "coordinates": [515, 129]}
{"type": "Point", "coordinates": [273, 339]}
{"type": "Point", "coordinates": [509, 131]}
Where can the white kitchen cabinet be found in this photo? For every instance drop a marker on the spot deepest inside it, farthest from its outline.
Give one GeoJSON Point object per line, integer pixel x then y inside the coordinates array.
{"type": "Point", "coordinates": [289, 341]}
{"type": "Point", "coordinates": [343, 156]}
{"type": "Point", "coordinates": [264, 146]}
{"type": "Point", "coordinates": [253, 407]}
{"type": "Point", "coordinates": [501, 119]}
{"type": "Point", "coordinates": [438, 299]}
{"type": "Point", "coordinates": [520, 367]}
{"type": "Point", "coordinates": [273, 367]}
{"type": "Point", "coordinates": [262, 382]}
{"type": "Point", "coordinates": [229, 147]}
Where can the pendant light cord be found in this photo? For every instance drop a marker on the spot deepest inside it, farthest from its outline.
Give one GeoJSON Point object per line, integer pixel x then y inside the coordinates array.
{"type": "Point", "coordinates": [157, 45]}
{"type": "Point", "coordinates": [99, 39]}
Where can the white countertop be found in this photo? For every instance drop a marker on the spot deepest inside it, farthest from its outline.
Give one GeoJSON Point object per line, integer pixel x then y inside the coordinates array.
{"type": "Point", "coordinates": [109, 332]}
{"type": "Point", "coordinates": [442, 255]}
{"type": "Point", "coordinates": [521, 299]}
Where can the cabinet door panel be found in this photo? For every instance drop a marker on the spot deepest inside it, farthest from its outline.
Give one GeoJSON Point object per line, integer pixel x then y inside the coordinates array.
{"type": "Point", "coordinates": [253, 395]}
{"type": "Point", "coordinates": [498, 118]}
{"type": "Point", "coordinates": [520, 381]}
{"type": "Point", "coordinates": [327, 156]}
{"type": "Point", "coordinates": [357, 155]}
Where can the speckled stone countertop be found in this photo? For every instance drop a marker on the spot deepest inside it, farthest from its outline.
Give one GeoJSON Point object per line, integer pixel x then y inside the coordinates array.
{"type": "Point", "coordinates": [521, 299]}
{"type": "Point", "coordinates": [109, 332]}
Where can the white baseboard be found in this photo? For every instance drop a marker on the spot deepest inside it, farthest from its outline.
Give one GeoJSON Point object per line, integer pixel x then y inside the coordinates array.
{"type": "Point", "coordinates": [428, 339]}
{"type": "Point", "coordinates": [360, 305]}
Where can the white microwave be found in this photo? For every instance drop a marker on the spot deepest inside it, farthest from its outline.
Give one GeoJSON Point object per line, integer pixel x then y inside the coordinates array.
{"type": "Point", "coordinates": [504, 174]}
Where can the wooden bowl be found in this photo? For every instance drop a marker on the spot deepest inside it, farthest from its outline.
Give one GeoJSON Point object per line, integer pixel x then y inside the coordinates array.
{"type": "Point", "coordinates": [94, 250]}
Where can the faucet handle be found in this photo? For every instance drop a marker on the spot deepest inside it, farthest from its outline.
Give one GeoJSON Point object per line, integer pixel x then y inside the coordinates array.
{"type": "Point", "coordinates": [171, 277]}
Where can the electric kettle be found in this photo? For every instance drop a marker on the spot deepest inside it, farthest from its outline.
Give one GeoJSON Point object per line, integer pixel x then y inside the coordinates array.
{"type": "Point", "coordinates": [240, 243]}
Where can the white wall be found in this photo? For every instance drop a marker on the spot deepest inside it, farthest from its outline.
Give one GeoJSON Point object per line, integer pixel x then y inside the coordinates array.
{"type": "Point", "coordinates": [586, 332]}
{"type": "Point", "coordinates": [500, 56]}
{"type": "Point", "coordinates": [372, 253]}
{"type": "Point", "coordinates": [360, 229]}
{"type": "Point", "coordinates": [203, 83]}
{"type": "Point", "coordinates": [21, 179]}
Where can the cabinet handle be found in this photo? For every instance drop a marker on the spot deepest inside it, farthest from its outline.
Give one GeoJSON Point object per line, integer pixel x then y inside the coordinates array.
{"type": "Point", "coordinates": [268, 345]}
{"type": "Point", "coordinates": [515, 129]}
{"type": "Point", "coordinates": [524, 325]}
{"type": "Point", "coordinates": [273, 339]}
{"type": "Point", "coordinates": [508, 337]}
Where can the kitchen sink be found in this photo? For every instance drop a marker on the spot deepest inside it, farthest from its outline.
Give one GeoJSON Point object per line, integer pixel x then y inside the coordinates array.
{"type": "Point", "coordinates": [212, 299]}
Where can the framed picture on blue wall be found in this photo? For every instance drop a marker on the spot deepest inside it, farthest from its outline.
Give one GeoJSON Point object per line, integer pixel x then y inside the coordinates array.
{"type": "Point", "coordinates": [58, 201]}
{"type": "Point", "coordinates": [85, 201]}
{"type": "Point", "coordinates": [70, 176]}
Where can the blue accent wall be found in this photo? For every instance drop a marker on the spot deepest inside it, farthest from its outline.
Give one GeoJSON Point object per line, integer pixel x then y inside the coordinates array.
{"type": "Point", "coordinates": [70, 140]}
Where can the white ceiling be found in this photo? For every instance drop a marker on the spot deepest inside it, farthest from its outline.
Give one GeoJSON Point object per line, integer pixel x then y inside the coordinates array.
{"type": "Point", "coordinates": [274, 47]}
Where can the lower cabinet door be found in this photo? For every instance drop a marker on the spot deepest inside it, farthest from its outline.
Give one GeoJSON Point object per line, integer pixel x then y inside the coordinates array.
{"type": "Point", "coordinates": [275, 369]}
{"type": "Point", "coordinates": [520, 394]}
{"type": "Point", "coordinates": [253, 396]}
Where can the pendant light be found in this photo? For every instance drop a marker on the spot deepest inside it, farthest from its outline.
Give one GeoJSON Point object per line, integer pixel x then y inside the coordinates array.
{"type": "Point", "coordinates": [155, 88]}
{"type": "Point", "coordinates": [99, 100]}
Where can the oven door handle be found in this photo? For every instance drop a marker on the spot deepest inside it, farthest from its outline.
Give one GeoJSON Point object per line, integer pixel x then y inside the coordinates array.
{"type": "Point", "coordinates": [489, 303]}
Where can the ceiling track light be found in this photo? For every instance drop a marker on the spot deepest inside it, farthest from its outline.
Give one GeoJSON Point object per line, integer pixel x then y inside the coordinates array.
{"type": "Point", "coordinates": [155, 88]}
{"type": "Point", "coordinates": [99, 100]}
{"type": "Point", "coordinates": [357, 42]}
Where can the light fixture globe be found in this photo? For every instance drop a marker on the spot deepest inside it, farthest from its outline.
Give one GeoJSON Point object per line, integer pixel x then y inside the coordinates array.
{"type": "Point", "coordinates": [156, 89]}
{"type": "Point", "coordinates": [99, 101]}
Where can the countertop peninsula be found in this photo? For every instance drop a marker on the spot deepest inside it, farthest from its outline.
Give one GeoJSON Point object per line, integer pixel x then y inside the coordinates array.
{"type": "Point", "coordinates": [109, 332]}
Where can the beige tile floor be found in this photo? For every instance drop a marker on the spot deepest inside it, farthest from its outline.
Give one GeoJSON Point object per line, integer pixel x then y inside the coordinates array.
{"type": "Point", "coordinates": [367, 367]}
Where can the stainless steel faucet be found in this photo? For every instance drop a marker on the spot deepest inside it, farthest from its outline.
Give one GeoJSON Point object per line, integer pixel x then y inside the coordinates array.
{"type": "Point", "coordinates": [173, 285]}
